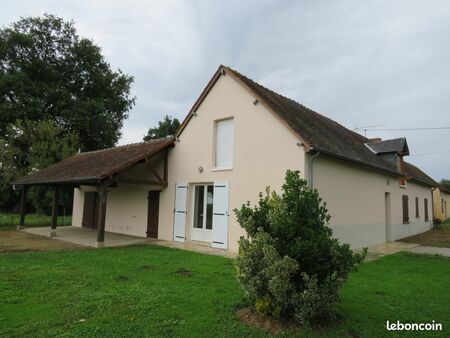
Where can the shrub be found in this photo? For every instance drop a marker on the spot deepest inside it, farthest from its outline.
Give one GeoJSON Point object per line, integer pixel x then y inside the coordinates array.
{"type": "Point", "coordinates": [437, 223]}
{"type": "Point", "coordinates": [289, 265]}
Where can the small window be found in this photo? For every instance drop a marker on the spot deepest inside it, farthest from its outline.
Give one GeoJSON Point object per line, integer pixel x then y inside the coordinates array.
{"type": "Point", "coordinates": [224, 144]}
{"type": "Point", "coordinates": [442, 205]}
{"type": "Point", "coordinates": [405, 209]}
{"type": "Point", "coordinates": [425, 205]}
{"type": "Point", "coordinates": [417, 207]}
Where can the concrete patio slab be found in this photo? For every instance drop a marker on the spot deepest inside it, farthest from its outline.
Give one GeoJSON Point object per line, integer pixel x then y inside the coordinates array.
{"type": "Point", "coordinates": [86, 237]}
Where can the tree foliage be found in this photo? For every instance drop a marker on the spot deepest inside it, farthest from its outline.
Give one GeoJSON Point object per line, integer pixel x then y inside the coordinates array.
{"type": "Point", "coordinates": [28, 146]}
{"type": "Point", "coordinates": [168, 126]}
{"type": "Point", "coordinates": [57, 94]}
{"type": "Point", "coordinates": [445, 183]}
{"type": "Point", "coordinates": [47, 72]}
{"type": "Point", "coordinates": [290, 265]}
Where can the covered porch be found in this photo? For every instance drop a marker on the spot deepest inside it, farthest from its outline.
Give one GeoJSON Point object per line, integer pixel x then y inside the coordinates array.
{"type": "Point", "coordinates": [141, 166]}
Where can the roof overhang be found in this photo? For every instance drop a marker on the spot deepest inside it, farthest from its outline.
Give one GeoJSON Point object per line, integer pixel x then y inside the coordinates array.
{"type": "Point", "coordinates": [107, 175]}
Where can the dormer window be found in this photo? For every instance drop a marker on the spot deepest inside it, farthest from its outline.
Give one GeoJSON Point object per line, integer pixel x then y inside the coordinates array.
{"type": "Point", "coordinates": [392, 151]}
{"type": "Point", "coordinates": [402, 182]}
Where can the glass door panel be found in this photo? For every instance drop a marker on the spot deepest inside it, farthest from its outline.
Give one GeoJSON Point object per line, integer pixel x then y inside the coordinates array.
{"type": "Point", "coordinates": [199, 202]}
{"type": "Point", "coordinates": [209, 206]}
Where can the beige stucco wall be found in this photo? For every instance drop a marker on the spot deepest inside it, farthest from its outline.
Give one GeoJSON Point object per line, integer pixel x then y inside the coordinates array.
{"type": "Point", "coordinates": [355, 198]}
{"type": "Point", "coordinates": [78, 203]}
{"type": "Point", "coordinates": [263, 150]}
{"type": "Point", "coordinates": [127, 204]}
{"type": "Point", "coordinates": [438, 196]}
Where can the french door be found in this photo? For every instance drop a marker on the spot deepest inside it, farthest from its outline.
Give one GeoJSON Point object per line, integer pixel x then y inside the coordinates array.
{"type": "Point", "coordinates": [202, 222]}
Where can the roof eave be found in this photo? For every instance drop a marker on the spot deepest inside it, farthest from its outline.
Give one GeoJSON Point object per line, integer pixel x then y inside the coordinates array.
{"type": "Point", "coordinates": [80, 180]}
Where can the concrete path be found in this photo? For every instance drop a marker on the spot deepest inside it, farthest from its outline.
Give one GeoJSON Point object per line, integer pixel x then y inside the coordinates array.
{"type": "Point", "coordinates": [86, 237]}
{"type": "Point", "coordinates": [388, 248]}
{"type": "Point", "coordinates": [431, 250]}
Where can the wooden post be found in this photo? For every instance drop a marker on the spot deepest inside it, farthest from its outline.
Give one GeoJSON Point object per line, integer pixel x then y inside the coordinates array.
{"type": "Point", "coordinates": [23, 208]}
{"type": "Point", "coordinates": [54, 212]}
{"type": "Point", "coordinates": [101, 216]}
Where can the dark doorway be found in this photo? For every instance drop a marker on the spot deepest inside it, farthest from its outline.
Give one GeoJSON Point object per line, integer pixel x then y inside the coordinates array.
{"type": "Point", "coordinates": [153, 214]}
{"type": "Point", "coordinates": [90, 210]}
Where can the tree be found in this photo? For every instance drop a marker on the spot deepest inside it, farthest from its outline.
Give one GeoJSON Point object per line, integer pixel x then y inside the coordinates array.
{"type": "Point", "coordinates": [27, 147]}
{"type": "Point", "coordinates": [168, 126]}
{"type": "Point", "coordinates": [47, 72]}
{"type": "Point", "coordinates": [445, 183]}
{"type": "Point", "coordinates": [290, 265]}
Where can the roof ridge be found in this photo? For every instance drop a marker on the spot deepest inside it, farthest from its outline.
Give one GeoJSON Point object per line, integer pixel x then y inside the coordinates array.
{"type": "Point", "coordinates": [125, 145]}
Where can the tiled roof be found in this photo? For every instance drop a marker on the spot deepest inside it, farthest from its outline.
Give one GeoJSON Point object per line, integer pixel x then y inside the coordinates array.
{"type": "Point", "coordinates": [95, 165]}
{"type": "Point", "coordinates": [325, 135]}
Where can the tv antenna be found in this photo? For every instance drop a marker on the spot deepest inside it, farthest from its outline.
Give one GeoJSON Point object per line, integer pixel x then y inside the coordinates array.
{"type": "Point", "coordinates": [367, 128]}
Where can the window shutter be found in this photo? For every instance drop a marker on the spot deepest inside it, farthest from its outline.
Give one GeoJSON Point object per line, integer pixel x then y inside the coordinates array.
{"type": "Point", "coordinates": [417, 207]}
{"type": "Point", "coordinates": [224, 144]}
{"type": "Point", "coordinates": [179, 217]}
{"type": "Point", "coordinates": [220, 215]}
{"type": "Point", "coordinates": [425, 204]}
{"type": "Point", "coordinates": [405, 209]}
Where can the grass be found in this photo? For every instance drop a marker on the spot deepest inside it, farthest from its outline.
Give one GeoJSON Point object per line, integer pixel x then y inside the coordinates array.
{"type": "Point", "coordinates": [145, 291]}
{"type": "Point", "coordinates": [446, 224]}
{"type": "Point", "coordinates": [10, 221]}
{"type": "Point", "coordinates": [19, 241]}
{"type": "Point", "coordinates": [438, 237]}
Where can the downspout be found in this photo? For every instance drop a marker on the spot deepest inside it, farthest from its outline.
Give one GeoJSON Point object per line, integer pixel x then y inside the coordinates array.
{"type": "Point", "coordinates": [432, 206]}
{"type": "Point", "coordinates": [311, 174]}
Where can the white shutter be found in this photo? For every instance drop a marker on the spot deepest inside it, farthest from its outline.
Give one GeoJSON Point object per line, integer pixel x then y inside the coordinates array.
{"type": "Point", "coordinates": [224, 143]}
{"type": "Point", "coordinates": [179, 217]}
{"type": "Point", "coordinates": [220, 215]}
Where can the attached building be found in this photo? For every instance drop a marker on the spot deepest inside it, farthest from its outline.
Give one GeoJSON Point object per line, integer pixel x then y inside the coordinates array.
{"type": "Point", "coordinates": [239, 138]}
{"type": "Point", "coordinates": [441, 203]}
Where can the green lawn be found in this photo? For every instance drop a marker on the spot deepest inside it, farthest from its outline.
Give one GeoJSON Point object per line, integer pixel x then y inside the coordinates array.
{"type": "Point", "coordinates": [10, 221]}
{"type": "Point", "coordinates": [446, 224]}
{"type": "Point", "coordinates": [145, 291]}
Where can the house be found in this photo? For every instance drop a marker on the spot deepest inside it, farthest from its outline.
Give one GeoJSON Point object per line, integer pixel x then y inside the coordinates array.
{"type": "Point", "coordinates": [441, 198]}
{"type": "Point", "coordinates": [238, 138]}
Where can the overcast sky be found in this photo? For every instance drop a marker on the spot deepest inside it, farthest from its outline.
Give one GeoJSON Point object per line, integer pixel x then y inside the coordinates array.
{"type": "Point", "coordinates": [361, 63]}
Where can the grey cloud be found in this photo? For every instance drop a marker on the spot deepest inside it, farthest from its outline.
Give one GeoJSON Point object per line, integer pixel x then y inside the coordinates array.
{"type": "Point", "coordinates": [358, 62]}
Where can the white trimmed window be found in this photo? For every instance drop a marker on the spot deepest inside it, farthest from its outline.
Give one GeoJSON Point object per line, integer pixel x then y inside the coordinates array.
{"type": "Point", "coordinates": [224, 144]}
